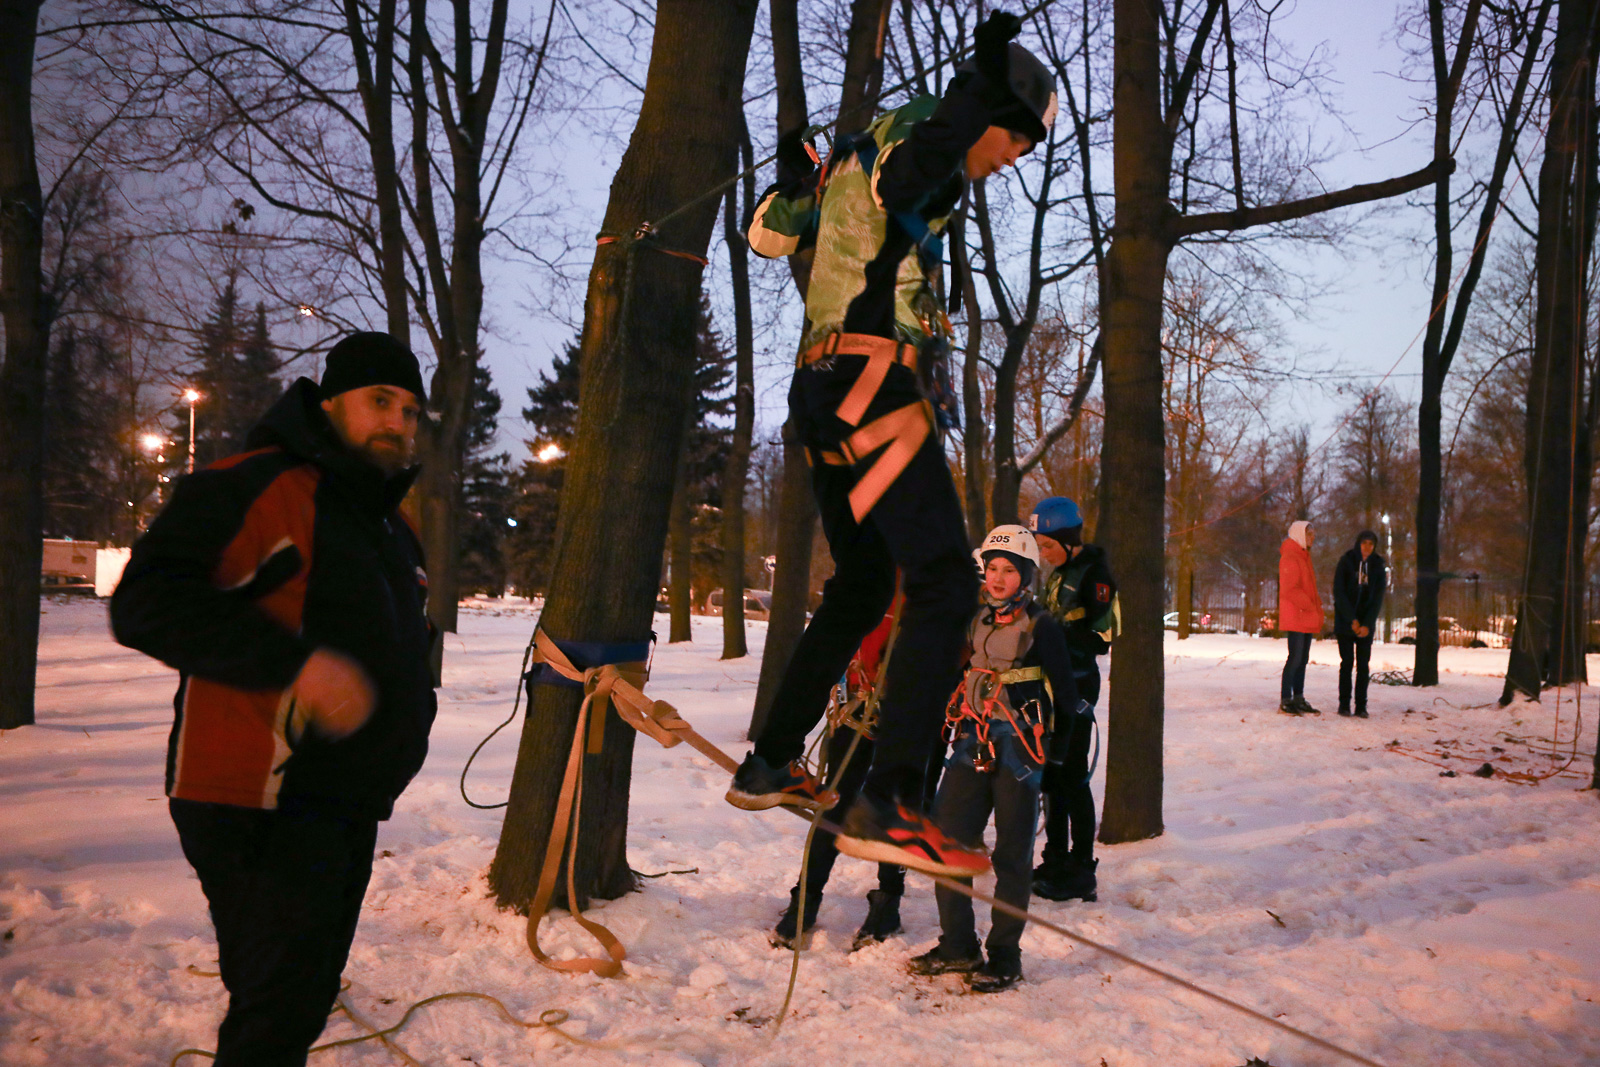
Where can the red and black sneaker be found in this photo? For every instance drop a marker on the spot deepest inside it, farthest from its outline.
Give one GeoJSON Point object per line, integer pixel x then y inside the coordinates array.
{"type": "Point", "coordinates": [896, 834]}
{"type": "Point", "coordinates": [758, 786]}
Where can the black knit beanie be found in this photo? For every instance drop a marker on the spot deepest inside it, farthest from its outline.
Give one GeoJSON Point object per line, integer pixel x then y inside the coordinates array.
{"type": "Point", "coordinates": [371, 358]}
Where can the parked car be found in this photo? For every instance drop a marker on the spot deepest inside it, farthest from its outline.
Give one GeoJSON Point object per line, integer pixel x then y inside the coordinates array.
{"type": "Point", "coordinates": [1200, 622]}
{"type": "Point", "coordinates": [757, 603]}
{"type": "Point", "coordinates": [1451, 634]}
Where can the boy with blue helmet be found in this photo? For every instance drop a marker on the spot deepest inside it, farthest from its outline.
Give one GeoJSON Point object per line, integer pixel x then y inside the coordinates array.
{"type": "Point", "coordinates": [1079, 592]}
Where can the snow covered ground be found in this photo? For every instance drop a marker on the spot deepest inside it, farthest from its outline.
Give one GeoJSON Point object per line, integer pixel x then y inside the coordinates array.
{"type": "Point", "coordinates": [1309, 869]}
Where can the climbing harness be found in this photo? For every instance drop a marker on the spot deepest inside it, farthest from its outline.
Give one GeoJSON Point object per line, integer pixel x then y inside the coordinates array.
{"type": "Point", "coordinates": [981, 699]}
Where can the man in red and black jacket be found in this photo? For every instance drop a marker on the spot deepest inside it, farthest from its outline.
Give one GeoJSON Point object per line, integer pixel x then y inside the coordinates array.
{"type": "Point", "coordinates": [288, 590]}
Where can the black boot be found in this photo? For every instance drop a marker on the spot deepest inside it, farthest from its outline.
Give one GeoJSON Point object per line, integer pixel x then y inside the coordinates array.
{"type": "Point", "coordinates": [883, 919]}
{"type": "Point", "coordinates": [1073, 880]}
{"type": "Point", "coordinates": [999, 973]}
{"type": "Point", "coordinates": [784, 932]}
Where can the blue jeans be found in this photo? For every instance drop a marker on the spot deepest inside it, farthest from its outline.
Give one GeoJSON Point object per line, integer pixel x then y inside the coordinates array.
{"type": "Point", "coordinates": [1294, 669]}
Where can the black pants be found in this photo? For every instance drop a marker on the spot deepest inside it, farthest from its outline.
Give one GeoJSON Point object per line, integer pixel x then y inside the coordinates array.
{"type": "Point", "coordinates": [1359, 650]}
{"type": "Point", "coordinates": [825, 844]}
{"type": "Point", "coordinates": [285, 894]}
{"type": "Point", "coordinates": [1069, 818]}
{"type": "Point", "coordinates": [915, 526]}
{"type": "Point", "coordinates": [966, 797]}
{"type": "Point", "coordinates": [1294, 668]}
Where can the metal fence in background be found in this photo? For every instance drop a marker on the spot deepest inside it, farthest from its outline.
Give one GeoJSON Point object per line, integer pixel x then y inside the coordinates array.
{"type": "Point", "coordinates": [1472, 611]}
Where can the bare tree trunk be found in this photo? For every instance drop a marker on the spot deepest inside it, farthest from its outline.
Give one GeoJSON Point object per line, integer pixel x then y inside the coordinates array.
{"type": "Point", "coordinates": [1435, 360]}
{"type": "Point", "coordinates": [1547, 645]}
{"type": "Point", "coordinates": [638, 358]}
{"type": "Point", "coordinates": [797, 507]}
{"type": "Point", "coordinates": [975, 428]}
{"type": "Point", "coordinates": [26, 312]}
{"type": "Point", "coordinates": [680, 553]}
{"type": "Point", "coordinates": [737, 471]}
{"type": "Point", "coordinates": [1133, 466]}
{"type": "Point", "coordinates": [1132, 462]}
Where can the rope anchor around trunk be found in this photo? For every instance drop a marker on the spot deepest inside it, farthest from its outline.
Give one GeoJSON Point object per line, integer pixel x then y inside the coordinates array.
{"type": "Point", "coordinates": [616, 685]}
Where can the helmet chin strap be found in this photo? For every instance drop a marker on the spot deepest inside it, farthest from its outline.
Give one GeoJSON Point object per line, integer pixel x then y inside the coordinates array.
{"type": "Point", "coordinates": [1002, 610]}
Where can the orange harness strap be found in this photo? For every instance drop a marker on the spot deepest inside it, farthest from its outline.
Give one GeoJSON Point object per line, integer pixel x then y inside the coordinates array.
{"type": "Point", "coordinates": [881, 352]}
{"type": "Point", "coordinates": [903, 430]}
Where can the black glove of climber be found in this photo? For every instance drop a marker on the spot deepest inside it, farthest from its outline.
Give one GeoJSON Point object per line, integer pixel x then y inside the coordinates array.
{"type": "Point", "coordinates": [992, 56]}
{"type": "Point", "coordinates": [797, 157]}
{"type": "Point", "coordinates": [993, 45]}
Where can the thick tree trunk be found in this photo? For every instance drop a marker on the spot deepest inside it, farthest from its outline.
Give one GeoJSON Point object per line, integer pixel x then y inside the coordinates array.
{"type": "Point", "coordinates": [638, 354]}
{"type": "Point", "coordinates": [1547, 645]}
{"type": "Point", "coordinates": [1133, 466]}
{"type": "Point", "coordinates": [26, 312]}
{"type": "Point", "coordinates": [737, 470]}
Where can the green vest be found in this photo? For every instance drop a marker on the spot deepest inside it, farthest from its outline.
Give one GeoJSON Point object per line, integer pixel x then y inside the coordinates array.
{"type": "Point", "coordinates": [851, 229]}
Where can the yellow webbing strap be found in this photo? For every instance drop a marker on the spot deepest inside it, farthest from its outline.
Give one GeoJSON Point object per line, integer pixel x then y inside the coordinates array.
{"type": "Point", "coordinates": [600, 685]}
{"type": "Point", "coordinates": [1020, 674]}
{"type": "Point", "coordinates": [616, 685]}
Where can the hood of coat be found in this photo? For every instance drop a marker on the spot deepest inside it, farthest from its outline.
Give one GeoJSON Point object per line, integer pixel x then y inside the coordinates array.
{"type": "Point", "coordinates": [298, 425]}
{"type": "Point", "coordinates": [1365, 535]}
{"type": "Point", "coordinates": [1297, 532]}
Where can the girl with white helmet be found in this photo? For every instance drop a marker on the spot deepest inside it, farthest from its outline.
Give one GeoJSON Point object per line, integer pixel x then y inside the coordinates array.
{"type": "Point", "coordinates": [998, 723]}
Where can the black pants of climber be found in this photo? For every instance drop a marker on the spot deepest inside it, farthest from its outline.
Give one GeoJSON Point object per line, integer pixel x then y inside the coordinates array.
{"type": "Point", "coordinates": [966, 798]}
{"type": "Point", "coordinates": [1069, 817]}
{"type": "Point", "coordinates": [285, 894]}
{"type": "Point", "coordinates": [915, 526]}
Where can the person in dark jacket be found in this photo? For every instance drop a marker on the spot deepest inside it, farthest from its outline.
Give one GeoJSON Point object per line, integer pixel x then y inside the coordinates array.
{"type": "Point", "coordinates": [1358, 587]}
{"type": "Point", "coordinates": [1080, 594]}
{"type": "Point", "coordinates": [864, 399]}
{"type": "Point", "coordinates": [1018, 671]}
{"type": "Point", "coordinates": [288, 590]}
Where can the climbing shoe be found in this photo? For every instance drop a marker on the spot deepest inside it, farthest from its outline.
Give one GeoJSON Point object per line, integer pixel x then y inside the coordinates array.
{"type": "Point", "coordinates": [1073, 880]}
{"type": "Point", "coordinates": [893, 833]}
{"type": "Point", "coordinates": [1289, 707]}
{"type": "Point", "coordinates": [882, 921]}
{"type": "Point", "coordinates": [758, 786]}
{"type": "Point", "coordinates": [783, 934]}
{"type": "Point", "coordinates": [1305, 706]}
{"type": "Point", "coordinates": [934, 961]}
{"type": "Point", "coordinates": [997, 975]}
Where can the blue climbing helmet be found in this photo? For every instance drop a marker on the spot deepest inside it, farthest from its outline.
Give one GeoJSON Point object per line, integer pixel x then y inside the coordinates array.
{"type": "Point", "coordinates": [1054, 516]}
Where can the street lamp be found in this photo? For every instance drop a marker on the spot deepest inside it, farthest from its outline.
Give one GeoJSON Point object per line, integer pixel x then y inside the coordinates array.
{"type": "Point", "coordinates": [191, 397]}
{"type": "Point", "coordinates": [1388, 572]}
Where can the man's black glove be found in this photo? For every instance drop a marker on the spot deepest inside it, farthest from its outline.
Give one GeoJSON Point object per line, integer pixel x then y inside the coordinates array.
{"type": "Point", "coordinates": [993, 51]}
{"type": "Point", "coordinates": [797, 157]}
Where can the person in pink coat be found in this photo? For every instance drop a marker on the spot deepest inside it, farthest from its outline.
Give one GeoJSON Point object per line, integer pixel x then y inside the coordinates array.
{"type": "Point", "coordinates": [1299, 615]}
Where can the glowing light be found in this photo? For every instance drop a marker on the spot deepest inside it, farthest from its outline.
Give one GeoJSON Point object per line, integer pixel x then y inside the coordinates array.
{"type": "Point", "coordinates": [511, 522]}
{"type": "Point", "coordinates": [307, 311]}
{"type": "Point", "coordinates": [151, 442]}
{"type": "Point", "coordinates": [549, 452]}
{"type": "Point", "coordinates": [191, 396]}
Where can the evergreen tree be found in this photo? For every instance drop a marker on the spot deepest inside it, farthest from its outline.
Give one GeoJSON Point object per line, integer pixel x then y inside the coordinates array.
{"type": "Point", "coordinates": [485, 493]}
{"type": "Point", "coordinates": [552, 418]}
{"type": "Point", "coordinates": [235, 373]}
